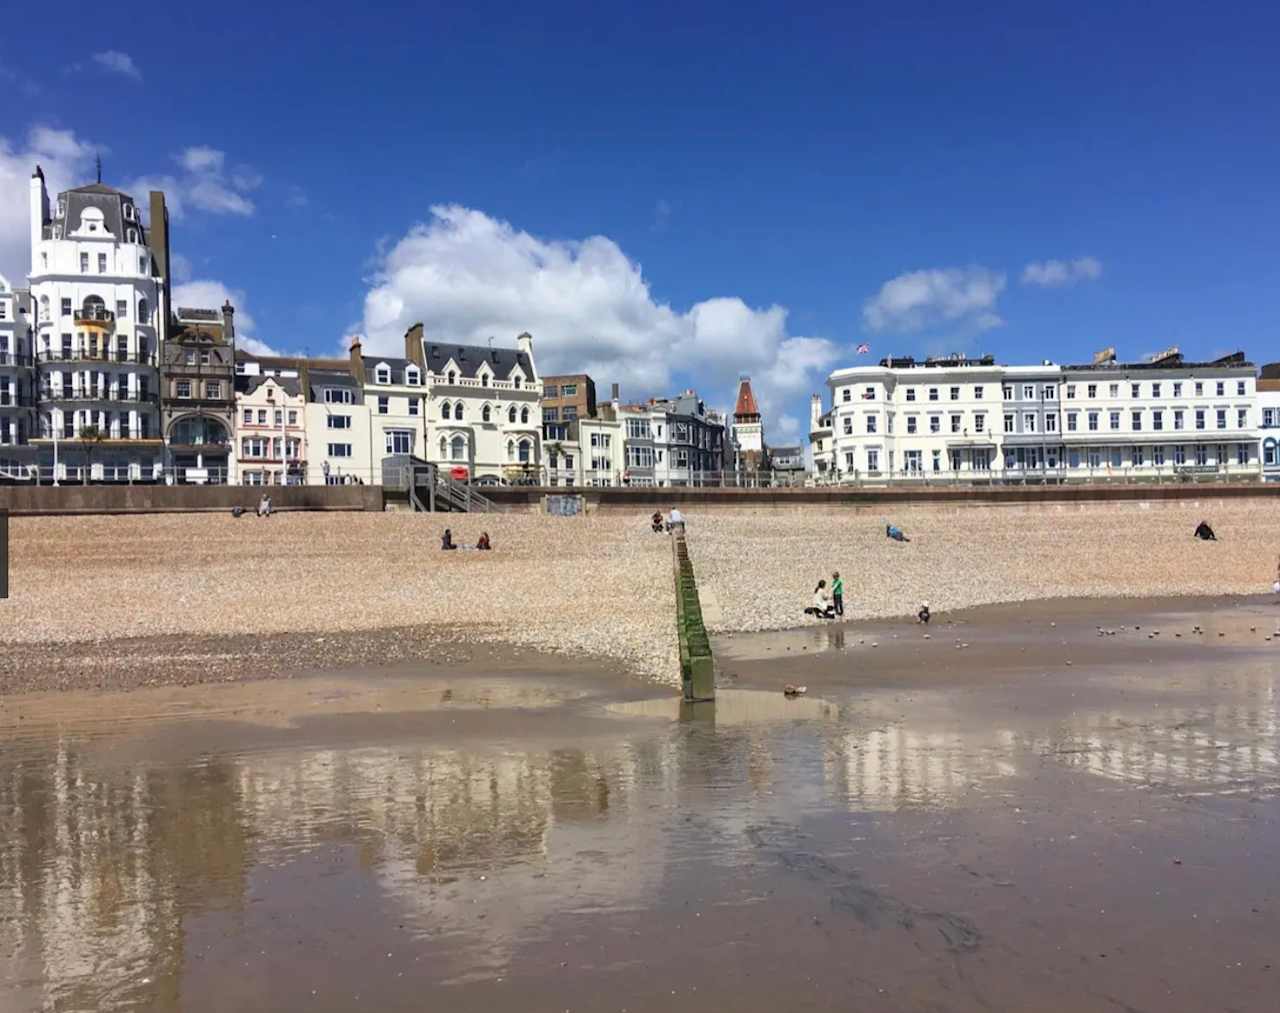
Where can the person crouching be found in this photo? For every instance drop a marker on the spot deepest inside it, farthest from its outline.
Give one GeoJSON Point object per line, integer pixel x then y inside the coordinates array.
{"type": "Point", "coordinates": [923, 615]}
{"type": "Point", "coordinates": [821, 607]}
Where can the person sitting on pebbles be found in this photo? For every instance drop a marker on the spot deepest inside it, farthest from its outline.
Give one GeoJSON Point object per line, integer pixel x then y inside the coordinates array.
{"type": "Point", "coordinates": [821, 607]}
{"type": "Point", "coordinates": [923, 615]}
{"type": "Point", "coordinates": [483, 545]}
{"type": "Point", "coordinates": [656, 521]}
{"type": "Point", "coordinates": [896, 533]}
{"type": "Point", "coordinates": [446, 542]}
{"type": "Point", "coordinates": [1205, 533]}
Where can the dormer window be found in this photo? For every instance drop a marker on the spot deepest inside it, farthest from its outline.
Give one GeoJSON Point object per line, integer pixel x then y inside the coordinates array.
{"type": "Point", "coordinates": [484, 379]}
{"type": "Point", "coordinates": [133, 235]}
{"type": "Point", "coordinates": [517, 383]}
{"type": "Point", "coordinates": [452, 376]}
{"type": "Point", "coordinates": [128, 212]}
{"type": "Point", "coordinates": [383, 374]}
{"type": "Point", "coordinates": [411, 376]}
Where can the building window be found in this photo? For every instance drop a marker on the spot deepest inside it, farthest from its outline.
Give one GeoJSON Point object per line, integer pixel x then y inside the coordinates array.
{"type": "Point", "coordinates": [1222, 418]}
{"type": "Point", "coordinates": [1114, 418]}
{"type": "Point", "coordinates": [524, 415]}
{"type": "Point", "coordinates": [869, 394]}
{"type": "Point", "coordinates": [1240, 387]}
{"type": "Point", "coordinates": [485, 413]}
{"type": "Point", "coordinates": [414, 403]}
{"type": "Point", "coordinates": [1114, 390]}
{"type": "Point", "coordinates": [1093, 422]}
{"type": "Point", "coordinates": [1071, 421]}
{"type": "Point", "coordinates": [937, 460]}
{"type": "Point", "coordinates": [262, 416]}
{"type": "Point", "coordinates": [1028, 392]}
{"type": "Point", "coordinates": [935, 423]}
{"type": "Point", "coordinates": [511, 415]}
{"type": "Point", "coordinates": [412, 377]}
{"type": "Point", "coordinates": [293, 417]}
{"type": "Point", "coordinates": [1135, 389]}
{"type": "Point", "coordinates": [102, 267]}
{"type": "Point", "coordinates": [339, 449]}
{"type": "Point", "coordinates": [1136, 421]}
{"type": "Point", "coordinates": [977, 393]}
{"type": "Point", "coordinates": [1008, 392]}
{"type": "Point", "coordinates": [1222, 388]}
{"type": "Point", "coordinates": [550, 414]}
{"type": "Point", "coordinates": [384, 404]}
{"type": "Point", "coordinates": [1071, 392]}
{"type": "Point", "coordinates": [979, 423]}
{"type": "Point", "coordinates": [1202, 454]}
{"type": "Point", "coordinates": [1242, 453]}
{"type": "Point", "coordinates": [873, 459]}
{"type": "Point", "coordinates": [568, 390]}
{"type": "Point", "coordinates": [1137, 456]}
{"type": "Point", "coordinates": [1157, 456]}
{"type": "Point", "coordinates": [846, 394]}
{"type": "Point", "coordinates": [1008, 423]}
{"type": "Point", "coordinates": [1051, 423]}
{"type": "Point", "coordinates": [122, 308]}
{"type": "Point", "coordinates": [66, 307]}
{"type": "Point", "coordinates": [1268, 418]}
{"type": "Point", "coordinates": [399, 441]}
{"type": "Point", "coordinates": [911, 393]}
{"type": "Point", "coordinates": [1179, 454]}
{"type": "Point", "coordinates": [277, 417]}
{"type": "Point", "coordinates": [955, 423]}
{"type": "Point", "coordinates": [913, 461]}
{"type": "Point", "coordinates": [569, 413]}
{"type": "Point", "coordinates": [1048, 393]}
{"type": "Point", "coordinates": [1157, 420]}
{"type": "Point", "coordinates": [871, 423]}
{"type": "Point", "coordinates": [338, 422]}
{"type": "Point", "coordinates": [1199, 388]}
{"type": "Point", "coordinates": [1177, 418]}
{"type": "Point", "coordinates": [933, 393]}
{"type": "Point", "coordinates": [1092, 390]}
{"type": "Point", "coordinates": [84, 263]}
{"type": "Point", "coordinates": [1242, 418]}
{"type": "Point", "coordinates": [457, 411]}
{"type": "Point", "coordinates": [451, 376]}
{"type": "Point", "coordinates": [516, 383]}
{"type": "Point", "coordinates": [144, 312]}
{"type": "Point", "coordinates": [1199, 418]}
{"type": "Point", "coordinates": [182, 389]}
{"type": "Point", "coordinates": [213, 390]}
{"type": "Point", "coordinates": [1029, 422]}
{"type": "Point", "coordinates": [382, 375]}
{"type": "Point", "coordinates": [339, 395]}
{"type": "Point", "coordinates": [955, 393]}
{"type": "Point", "coordinates": [247, 416]}
{"type": "Point", "coordinates": [911, 423]}
{"type": "Point", "coordinates": [550, 390]}
{"type": "Point", "coordinates": [1155, 390]}
{"type": "Point", "coordinates": [848, 425]}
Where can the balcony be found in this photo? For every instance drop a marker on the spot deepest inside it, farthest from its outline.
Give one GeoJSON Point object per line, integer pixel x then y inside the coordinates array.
{"type": "Point", "coordinates": [97, 394]}
{"type": "Point", "coordinates": [106, 355]}
{"type": "Point", "coordinates": [94, 316]}
{"type": "Point", "coordinates": [13, 359]}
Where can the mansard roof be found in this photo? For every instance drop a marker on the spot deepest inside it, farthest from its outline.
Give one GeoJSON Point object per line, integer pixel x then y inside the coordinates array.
{"type": "Point", "coordinates": [469, 357]}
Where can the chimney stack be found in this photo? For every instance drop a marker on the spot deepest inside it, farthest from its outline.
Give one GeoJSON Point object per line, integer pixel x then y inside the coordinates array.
{"type": "Point", "coordinates": [413, 345]}
{"type": "Point", "coordinates": [357, 360]}
{"type": "Point", "coordinates": [228, 323]}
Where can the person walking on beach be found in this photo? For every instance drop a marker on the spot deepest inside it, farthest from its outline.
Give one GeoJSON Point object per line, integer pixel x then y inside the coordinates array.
{"type": "Point", "coordinates": [837, 593]}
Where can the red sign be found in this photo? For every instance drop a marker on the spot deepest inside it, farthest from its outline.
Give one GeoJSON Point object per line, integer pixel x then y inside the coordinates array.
{"type": "Point", "coordinates": [458, 472]}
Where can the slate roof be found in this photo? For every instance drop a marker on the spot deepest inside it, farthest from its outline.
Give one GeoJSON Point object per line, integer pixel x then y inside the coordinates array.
{"type": "Point", "coordinates": [468, 357]}
{"type": "Point", "coordinates": [321, 378]}
{"type": "Point", "coordinates": [289, 384]}
{"type": "Point", "coordinates": [398, 367]}
{"type": "Point", "coordinates": [110, 201]}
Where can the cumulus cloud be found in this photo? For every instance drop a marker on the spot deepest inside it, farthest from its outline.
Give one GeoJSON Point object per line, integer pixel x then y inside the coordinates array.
{"type": "Point", "coordinates": [67, 161]}
{"type": "Point", "coordinates": [209, 294]}
{"type": "Point", "coordinates": [203, 184]}
{"type": "Point", "coordinates": [1056, 273]}
{"type": "Point", "coordinates": [468, 276]}
{"type": "Point", "coordinates": [962, 297]}
{"type": "Point", "coordinates": [118, 63]}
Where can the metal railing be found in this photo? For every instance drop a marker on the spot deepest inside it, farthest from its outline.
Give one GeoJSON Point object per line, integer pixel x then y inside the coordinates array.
{"type": "Point", "coordinates": [93, 315]}
{"type": "Point", "coordinates": [1095, 474]}
{"type": "Point", "coordinates": [97, 394]}
{"type": "Point", "coordinates": [104, 355]}
{"type": "Point", "coordinates": [102, 473]}
{"type": "Point", "coordinates": [14, 359]}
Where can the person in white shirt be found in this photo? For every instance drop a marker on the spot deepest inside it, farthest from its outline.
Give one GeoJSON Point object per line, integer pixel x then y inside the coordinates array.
{"type": "Point", "coordinates": [821, 608]}
{"type": "Point", "coordinates": [675, 521]}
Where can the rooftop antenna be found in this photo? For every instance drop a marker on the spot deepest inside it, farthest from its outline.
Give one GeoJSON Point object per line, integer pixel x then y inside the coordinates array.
{"type": "Point", "coordinates": [99, 168]}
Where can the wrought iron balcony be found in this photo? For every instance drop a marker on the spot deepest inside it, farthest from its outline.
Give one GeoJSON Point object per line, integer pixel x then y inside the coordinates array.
{"type": "Point", "coordinates": [14, 359]}
{"type": "Point", "coordinates": [97, 394]}
{"type": "Point", "coordinates": [105, 355]}
{"type": "Point", "coordinates": [94, 315]}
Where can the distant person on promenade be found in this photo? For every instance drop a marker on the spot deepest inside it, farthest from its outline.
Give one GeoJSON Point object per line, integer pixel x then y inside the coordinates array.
{"type": "Point", "coordinates": [483, 545]}
{"type": "Point", "coordinates": [264, 506]}
{"type": "Point", "coordinates": [446, 542]}
{"type": "Point", "coordinates": [656, 521]}
{"type": "Point", "coordinates": [895, 533]}
{"type": "Point", "coordinates": [1205, 533]}
{"type": "Point", "coordinates": [821, 608]}
{"type": "Point", "coordinates": [837, 593]}
{"type": "Point", "coordinates": [675, 521]}
{"type": "Point", "coordinates": [923, 615]}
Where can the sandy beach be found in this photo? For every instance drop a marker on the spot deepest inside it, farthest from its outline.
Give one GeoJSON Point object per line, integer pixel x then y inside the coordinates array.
{"type": "Point", "coordinates": [120, 602]}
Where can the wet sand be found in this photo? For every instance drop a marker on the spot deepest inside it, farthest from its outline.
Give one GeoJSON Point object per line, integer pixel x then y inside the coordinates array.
{"type": "Point", "coordinates": [932, 827]}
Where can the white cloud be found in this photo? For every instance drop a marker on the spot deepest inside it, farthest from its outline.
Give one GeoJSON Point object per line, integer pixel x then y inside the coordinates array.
{"type": "Point", "coordinates": [210, 295]}
{"type": "Point", "coordinates": [179, 268]}
{"type": "Point", "coordinates": [67, 161]}
{"type": "Point", "coordinates": [1055, 273]}
{"type": "Point", "coordinates": [469, 277]}
{"type": "Point", "coordinates": [118, 63]}
{"type": "Point", "coordinates": [203, 185]}
{"type": "Point", "coordinates": [963, 297]}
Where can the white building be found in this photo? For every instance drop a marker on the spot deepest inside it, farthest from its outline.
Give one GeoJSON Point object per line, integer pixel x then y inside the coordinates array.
{"type": "Point", "coordinates": [974, 420]}
{"type": "Point", "coordinates": [904, 419]}
{"type": "Point", "coordinates": [396, 397]}
{"type": "Point", "coordinates": [339, 426]}
{"type": "Point", "coordinates": [482, 411]}
{"type": "Point", "coordinates": [1161, 417]}
{"type": "Point", "coordinates": [17, 385]}
{"type": "Point", "coordinates": [100, 302]}
{"type": "Point", "coordinates": [1269, 421]}
{"type": "Point", "coordinates": [270, 431]}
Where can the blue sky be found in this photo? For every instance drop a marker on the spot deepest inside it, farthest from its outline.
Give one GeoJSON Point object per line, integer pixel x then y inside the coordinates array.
{"type": "Point", "coordinates": [670, 194]}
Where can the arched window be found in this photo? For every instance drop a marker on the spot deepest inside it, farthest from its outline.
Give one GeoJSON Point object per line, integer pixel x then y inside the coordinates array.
{"type": "Point", "coordinates": [459, 447]}
{"type": "Point", "coordinates": [511, 450]}
{"type": "Point", "coordinates": [443, 448]}
{"type": "Point", "coordinates": [485, 413]}
{"type": "Point", "coordinates": [144, 312]}
{"type": "Point", "coordinates": [517, 383]}
{"type": "Point", "coordinates": [525, 447]}
{"type": "Point", "coordinates": [511, 415]}
{"type": "Point", "coordinates": [524, 416]}
{"type": "Point", "coordinates": [445, 410]}
{"type": "Point", "coordinates": [93, 304]}
{"type": "Point", "coordinates": [457, 411]}
{"type": "Point", "coordinates": [452, 376]}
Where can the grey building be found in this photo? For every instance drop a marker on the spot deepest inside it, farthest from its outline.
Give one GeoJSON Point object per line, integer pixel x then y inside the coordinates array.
{"type": "Point", "coordinates": [197, 393]}
{"type": "Point", "coordinates": [1032, 422]}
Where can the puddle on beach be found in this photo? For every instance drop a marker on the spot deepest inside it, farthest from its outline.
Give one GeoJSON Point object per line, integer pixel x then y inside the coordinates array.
{"type": "Point", "coordinates": [730, 707]}
{"type": "Point", "coordinates": [871, 849]}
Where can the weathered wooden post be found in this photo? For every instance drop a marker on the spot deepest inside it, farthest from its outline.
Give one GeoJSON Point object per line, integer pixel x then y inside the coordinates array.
{"type": "Point", "coordinates": [697, 665]}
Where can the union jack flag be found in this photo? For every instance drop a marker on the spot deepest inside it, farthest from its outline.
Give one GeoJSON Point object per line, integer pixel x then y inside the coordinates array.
{"type": "Point", "coordinates": [864, 348]}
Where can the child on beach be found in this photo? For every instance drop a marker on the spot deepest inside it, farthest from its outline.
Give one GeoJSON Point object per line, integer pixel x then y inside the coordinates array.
{"type": "Point", "coordinates": [837, 593]}
{"type": "Point", "coordinates": [923, 615]}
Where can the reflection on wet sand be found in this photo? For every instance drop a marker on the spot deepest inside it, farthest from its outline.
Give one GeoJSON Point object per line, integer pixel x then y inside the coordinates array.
{"type": "Point", "coordinates": [109, 871]}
